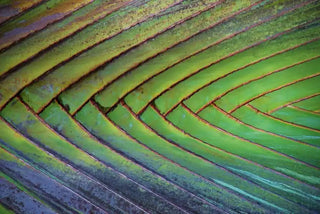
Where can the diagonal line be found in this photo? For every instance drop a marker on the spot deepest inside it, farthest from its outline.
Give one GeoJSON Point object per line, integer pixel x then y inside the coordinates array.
{"type": "Point", "coordinates": [165, 158]}
{"type": "Point", "coordinates": [98, 67]}
{"type": "Point", "coordinates": [50, 204]}
{"type": "Point", "coordinates": [238, 69]}
{"type": "Point", "coordinates": [170, 47]}
{"type": "Point", "coordinates": [149, 149]}
{"type": "Point", "coordinates": [102, 142]}
{"type": "Point", "coordinates": [302, 109]}
{"type": "Point", "coordinates": [275, 89]}
{"type": "Point", "coordinates": [229, 153]}
{"type": "Point", "coordinates": [258, 129]}
{"type": "Point", "coordinates": [58, 159]}
{"type": "Point", "coordinates": [258, 78]}
{"type": "Point", "coordinates": [215, 43]}
{"type": "Point", "coordinates": [20, 13]}
{"type": "Point", "coordinates": [293, 102]}
{"type": "Point", "coordinates": [63, 159]}
{"type": "Point", "coordinates": [65, 61]}
{"type": "Point", "coordinates": [282, 121]}
{"type": "Point", "coordinates": [197, 155]}
{"type": "Point", "coordinates": [8, 44]}
{"type": "Point", "coordinates": [57, 43]}
{"type": "Point", "coordinates": [175, 144]}
{"type": "Point", "coordinates": [245, 140]}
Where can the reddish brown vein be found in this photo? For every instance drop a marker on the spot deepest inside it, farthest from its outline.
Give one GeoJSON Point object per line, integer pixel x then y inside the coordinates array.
{"type": "Point", "coordinates": [304, 110]}
{"type": "Point", "coordinates": [59, 42]}
{"type": "Point", "coordinates": [257, 78]}
{"type": "Point", "coordinates": [258, 129]}
{"type": "Point", "coordinates": [275, 89]}
{"type": "Point", "coordinates": [227, 153]}
{"type": "Point", "coordinates": [293, 102]}
{"type": "Point", "coordinates": [197, 155]}
{"type": "Point", "coordinates": [66, 160]}
{"type": "Point", "coordinates": [170, 47]}
{"type": "Point", "coordinates": [163, 157]}
{"type": "Point", "coordinates": [98, 67]}
{"type": "Point", "coordinates": [282, 121]}
{"type": "Point", "coordinates": [152, 151]}
{"type": "Point", "coordinates": [243, 139]}
{"type": "Point", "coordinates": [8, 44]}
{"type": "Point", "coordinates": [102, 142]}
{"type": "Point", "coordinates": [21, 12]}
{"type": "Point", "coordinates": [238, 69]}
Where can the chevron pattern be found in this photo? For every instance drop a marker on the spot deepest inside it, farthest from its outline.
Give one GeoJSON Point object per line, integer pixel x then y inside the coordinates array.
{"type": "Point", "coordinates": [149, 106]}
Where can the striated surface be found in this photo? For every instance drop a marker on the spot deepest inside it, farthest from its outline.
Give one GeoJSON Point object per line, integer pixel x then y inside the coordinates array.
{"type": "Point", "coordinates": [171, 106]}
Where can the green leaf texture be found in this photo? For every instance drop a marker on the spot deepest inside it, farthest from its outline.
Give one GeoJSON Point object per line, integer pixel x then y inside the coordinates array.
{"type": "Point", "coordinates": [159, 106]}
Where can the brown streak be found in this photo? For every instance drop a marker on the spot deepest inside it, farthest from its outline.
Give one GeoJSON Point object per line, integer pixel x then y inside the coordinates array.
{"type": "Point", "coordinates": [283, 121]}
{"type": "Point", "coordinates": [245, 140]}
